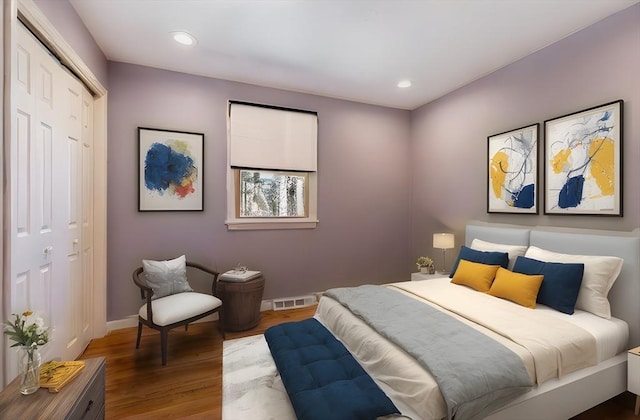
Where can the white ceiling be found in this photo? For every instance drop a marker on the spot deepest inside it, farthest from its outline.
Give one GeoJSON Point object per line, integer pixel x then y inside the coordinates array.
{"type": "Point", "coordinates": [348, 49]}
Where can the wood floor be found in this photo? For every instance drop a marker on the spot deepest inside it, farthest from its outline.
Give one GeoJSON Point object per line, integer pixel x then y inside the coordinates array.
{"type": "Point", "coordinates": [190, 385]}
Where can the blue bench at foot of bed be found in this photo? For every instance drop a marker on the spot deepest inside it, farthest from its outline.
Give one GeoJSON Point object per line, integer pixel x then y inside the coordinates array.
{"type": "Point", "coordinates": [322, 378]}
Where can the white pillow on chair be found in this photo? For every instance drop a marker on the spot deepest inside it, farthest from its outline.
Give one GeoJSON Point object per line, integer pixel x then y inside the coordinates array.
{"type": "Point", "coordinates": [167, 277]}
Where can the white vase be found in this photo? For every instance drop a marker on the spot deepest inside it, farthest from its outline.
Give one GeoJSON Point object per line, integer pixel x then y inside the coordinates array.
{"type": "Point", "coordinates": [429, 269]}
{"type": "Point", "coordinates": [29, 369]}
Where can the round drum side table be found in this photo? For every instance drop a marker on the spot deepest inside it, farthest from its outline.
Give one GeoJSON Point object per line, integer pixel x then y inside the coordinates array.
{"type": "Point", "coordinates": [240, 303]}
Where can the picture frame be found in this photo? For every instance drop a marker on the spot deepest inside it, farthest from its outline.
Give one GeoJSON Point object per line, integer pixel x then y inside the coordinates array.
{"type": "Point", "coordinates": [583, 162]}
{"type": "Point", "coordinates": [512, 171]}
{"type": "Point", "coordinates": [170, 170]}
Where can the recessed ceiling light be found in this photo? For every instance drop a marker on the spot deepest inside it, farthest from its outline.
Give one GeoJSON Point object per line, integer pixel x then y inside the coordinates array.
{"type": "Point", "coordinates": [404, 83]}
{"type": "Point", "coordinates": [184, 38]}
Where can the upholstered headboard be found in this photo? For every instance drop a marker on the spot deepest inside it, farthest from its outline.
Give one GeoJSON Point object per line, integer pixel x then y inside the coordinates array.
{"type": "Point", "coordinates": [624, 296]}
{"type": "Point", "coordinates": [499, 234]}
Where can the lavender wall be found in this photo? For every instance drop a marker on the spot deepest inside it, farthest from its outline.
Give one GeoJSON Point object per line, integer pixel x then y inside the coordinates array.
{"type": "Point", "coordinates": [449, 136]}
{"type": "Point", "coordinates": [388, 178]}
{"type": "Point", "coordinates": [363, 194]}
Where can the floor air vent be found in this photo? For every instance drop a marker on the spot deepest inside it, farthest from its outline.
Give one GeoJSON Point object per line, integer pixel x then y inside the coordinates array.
{"type": "Point", "coordinates": [293, 302]}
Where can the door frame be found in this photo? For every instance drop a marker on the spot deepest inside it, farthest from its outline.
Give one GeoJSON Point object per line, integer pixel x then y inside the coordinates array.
{"type": "Point", "coordinates": [36, 21]}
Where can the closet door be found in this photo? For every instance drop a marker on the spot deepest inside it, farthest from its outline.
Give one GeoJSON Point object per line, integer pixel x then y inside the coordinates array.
{"type": "Point", "coordinates": [69, 287]}
{"type": "Point", "coordinates": [87, 226]}
{"type": "Point", "coordinates": [45, 239]}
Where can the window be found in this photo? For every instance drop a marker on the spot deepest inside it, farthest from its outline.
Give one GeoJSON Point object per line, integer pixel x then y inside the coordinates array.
{"type": "Point", "coordinates": [271, 174]}
{"type": "Point", "coordinates": [272, 194]}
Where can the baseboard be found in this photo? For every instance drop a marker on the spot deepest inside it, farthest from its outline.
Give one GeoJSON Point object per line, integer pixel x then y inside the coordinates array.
{"type": "Point", "coordinates": [132, 320]}
{"type": "Point", "coordinates": [128, 322]}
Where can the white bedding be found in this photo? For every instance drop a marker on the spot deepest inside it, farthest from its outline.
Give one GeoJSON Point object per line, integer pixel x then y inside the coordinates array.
{"type": "Point", "coordinates": [412, 388]}
{"type": "Point", "coordinates": [612, 335]}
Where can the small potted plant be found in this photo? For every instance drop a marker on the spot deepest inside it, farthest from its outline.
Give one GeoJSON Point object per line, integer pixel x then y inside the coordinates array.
{"type": "Point", "coordinates": [425, 265]}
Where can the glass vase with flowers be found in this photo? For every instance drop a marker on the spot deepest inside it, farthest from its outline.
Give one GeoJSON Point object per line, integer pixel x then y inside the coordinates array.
{"type": "Point", "coordinates": [29, 333]}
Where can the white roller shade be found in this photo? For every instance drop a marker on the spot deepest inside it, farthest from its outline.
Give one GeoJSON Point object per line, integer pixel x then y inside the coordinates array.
{"type": "Point", "coordinates": [272, 138]}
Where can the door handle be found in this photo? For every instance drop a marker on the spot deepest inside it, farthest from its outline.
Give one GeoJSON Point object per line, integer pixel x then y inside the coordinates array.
{"type": "Point", "coordinates": [48, 250]}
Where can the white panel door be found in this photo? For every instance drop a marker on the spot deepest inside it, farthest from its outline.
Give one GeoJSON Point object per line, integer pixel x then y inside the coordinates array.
{"type": "Point", "coordinates": [70, 289]}
{"type": "Point", "coordinates": [87, 204]}
{"type": "Point", "coordinates": [45, 240]}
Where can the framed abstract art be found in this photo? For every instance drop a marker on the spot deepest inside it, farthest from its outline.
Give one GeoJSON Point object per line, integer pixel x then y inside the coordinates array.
{"type": "Point", "coordinates": [512, 181]}
{"type": "Point", "coordinates": [583, 162]}
{"type": "Point", "coordinates": [170, 170]}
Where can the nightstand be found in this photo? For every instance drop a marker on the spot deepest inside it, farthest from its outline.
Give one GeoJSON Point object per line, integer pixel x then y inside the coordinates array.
{"type": "Point", "coordinates": [633, 374]}
{"type": "Point", "coordinates": [423, 276]}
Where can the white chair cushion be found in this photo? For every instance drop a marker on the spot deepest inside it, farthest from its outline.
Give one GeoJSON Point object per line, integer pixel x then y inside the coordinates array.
{"type": "Point", "coordinates": [178, 307]}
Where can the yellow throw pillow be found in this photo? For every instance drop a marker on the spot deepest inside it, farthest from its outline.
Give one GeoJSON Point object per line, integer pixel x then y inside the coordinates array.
{"type": "Point", "coordinates": [516, 287]}
{"type": "Point", "coordinates": [475, 275]}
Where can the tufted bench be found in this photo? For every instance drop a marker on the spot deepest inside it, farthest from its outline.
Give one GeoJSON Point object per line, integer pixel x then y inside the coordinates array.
{"type": "Point", "coordinates": [322, 378]}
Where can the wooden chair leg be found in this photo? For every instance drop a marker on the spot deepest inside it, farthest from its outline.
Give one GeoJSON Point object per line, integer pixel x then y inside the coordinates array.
{"type": "Point", "coordinates": [163, 344]}
{"type": "Point", "coordinates": [139, 334]}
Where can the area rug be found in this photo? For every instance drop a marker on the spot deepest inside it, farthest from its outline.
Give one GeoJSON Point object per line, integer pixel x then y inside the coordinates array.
{"type": "Point", "coordinates": [251, 386]}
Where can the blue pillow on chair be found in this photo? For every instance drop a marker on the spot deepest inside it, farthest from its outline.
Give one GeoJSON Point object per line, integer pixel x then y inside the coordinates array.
{"type": "Point", "coordinates": [482, 257]}
{"type": "Point", "coordinates": [561, 283]}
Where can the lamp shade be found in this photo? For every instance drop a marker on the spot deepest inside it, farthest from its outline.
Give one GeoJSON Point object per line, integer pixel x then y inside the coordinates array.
{"type": "Point", "coordinates": [443, 240]}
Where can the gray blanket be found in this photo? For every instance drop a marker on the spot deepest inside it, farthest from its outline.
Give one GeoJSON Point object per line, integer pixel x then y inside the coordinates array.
{"type": "Point", "coordinates": [475, 373]}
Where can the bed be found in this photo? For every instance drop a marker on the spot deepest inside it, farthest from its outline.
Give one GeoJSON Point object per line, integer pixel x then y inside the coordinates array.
{"type": "Point", "coordinates": [581, 384]}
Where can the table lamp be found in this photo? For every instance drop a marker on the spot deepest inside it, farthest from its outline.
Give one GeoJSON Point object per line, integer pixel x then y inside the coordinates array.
{"type": "Point", "coordinates": [443, 241]}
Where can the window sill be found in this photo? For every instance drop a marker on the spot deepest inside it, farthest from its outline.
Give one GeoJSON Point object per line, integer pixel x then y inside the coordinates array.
{"type": "Point", "coordinates": [262, 224]}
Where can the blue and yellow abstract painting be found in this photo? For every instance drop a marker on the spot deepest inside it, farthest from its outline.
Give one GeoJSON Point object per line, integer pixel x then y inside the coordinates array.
{"type": "Point", "coordinates": [513, 171]}
{"type": "Point", "coordinates": [170, 170]}
{"type": "Point", "coordinates": [582, 158]}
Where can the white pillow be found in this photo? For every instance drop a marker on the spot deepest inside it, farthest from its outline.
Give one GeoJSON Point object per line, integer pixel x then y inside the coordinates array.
{"type": "Point", "coordinates": [514, 251]}
{"type": "Point", "coordinates": [167, 277]}
{"type": "Point", "coordinates": [599, 275]}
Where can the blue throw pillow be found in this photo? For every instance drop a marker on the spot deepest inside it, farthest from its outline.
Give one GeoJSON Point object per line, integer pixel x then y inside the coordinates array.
{"type": "Point", "coordinates": [561, 283]}
{"type": "Point", "coordinates": [482, 257]}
